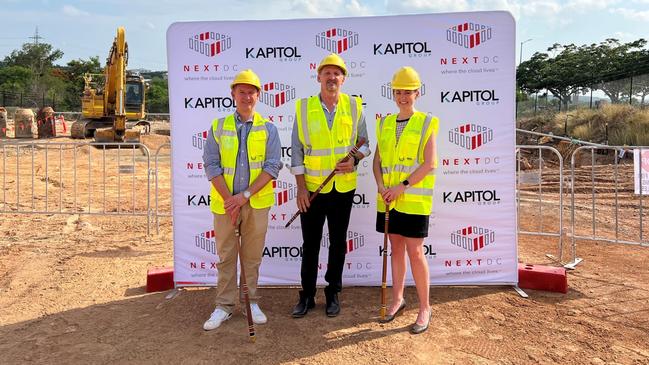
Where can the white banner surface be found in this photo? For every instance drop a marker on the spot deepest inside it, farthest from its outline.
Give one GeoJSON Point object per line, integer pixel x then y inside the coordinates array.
{"type": "Point", "coordinates": [641, 171]}
{"type": "Point", "coordinates": [466, 61]}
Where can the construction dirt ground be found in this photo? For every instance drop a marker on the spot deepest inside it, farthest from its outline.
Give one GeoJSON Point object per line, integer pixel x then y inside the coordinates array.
{"type": "Point", "coordinates": [72, 291]}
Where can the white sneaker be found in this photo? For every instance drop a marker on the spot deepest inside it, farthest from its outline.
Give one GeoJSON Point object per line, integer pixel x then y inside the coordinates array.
{"type": "Point", "coordinates": [218, 316]}
{"type": "Point", "coordinates": [258, 317]}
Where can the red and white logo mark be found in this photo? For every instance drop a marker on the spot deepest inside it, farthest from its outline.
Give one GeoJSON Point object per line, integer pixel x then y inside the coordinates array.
{"type": "Point", "coordinates": [275, 94]}
{"type": "Point", "coordinates": [205, 241]}
{"type": "Point", "coordinates": [199, 139]}
{"type": "Point", "coordinates": [470, 136]}
{"type": "Point", "coordinates": [468, 35]}
{"type": "Point", "coordinates": [472, 238]}
{"type": "Point", "coordinates": [353, 242]}
{"type": "Point", "coordinates": [386, 90]}
{"type": "Point", "coordinates": [284, 192]}
{"type": "Point", "coordinates": [336, 40]}
{"type": "Point", "coordinates": [210, 44]}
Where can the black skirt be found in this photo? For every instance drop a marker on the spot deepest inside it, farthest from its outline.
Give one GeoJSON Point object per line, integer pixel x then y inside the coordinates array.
{"type": "Point", "coordinates": [407, 225]}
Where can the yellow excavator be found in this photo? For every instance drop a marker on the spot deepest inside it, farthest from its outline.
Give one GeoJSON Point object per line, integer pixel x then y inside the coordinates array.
{"type": "Point", "coordinates": [112, 103]}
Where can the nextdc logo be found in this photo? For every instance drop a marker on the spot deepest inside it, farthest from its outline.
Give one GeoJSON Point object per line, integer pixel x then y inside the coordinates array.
{"type": "Point", "coordinates": [275, 94]}
{"type": "Point", "coordinates": [284, 191]}
{"type": "Point", "coordinates": [336, 40]}
{"type": "Point", "coordinates": [199, 139]}
{"type": "Point", "coordinates": [470, 136]}
{"type": "Point", "coordinates": [205, 241]}
{"type": "Point", "coordinates": [479, 97]}
{"type": "Point", "coordinates": [195, 170]}
{"type": "Point", "coordinates": [210, 44]}
{"type": "Point", "coordinates": [412, 49]}
{"type": "Point", "coordinates": [473, 238]}
{"type": "Point", "coordinates": [468, 35]}
{"type": "Point", "coordinates": [354, 241]}
{"type": "Point", "coordinates": [386, 90]}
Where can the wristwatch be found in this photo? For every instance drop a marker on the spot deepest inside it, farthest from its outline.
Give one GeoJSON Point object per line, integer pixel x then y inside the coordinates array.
{"type": "Point", "coordinates": [356, 160]}
{"type": "Point", "coordinates": [246, 194]}
{"type": "Point", "coordinates": [405, 182]}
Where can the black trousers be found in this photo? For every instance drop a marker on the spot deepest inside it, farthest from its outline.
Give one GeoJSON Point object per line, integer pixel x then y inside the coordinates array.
{"type": "Point", "coordinates": [336, 207]}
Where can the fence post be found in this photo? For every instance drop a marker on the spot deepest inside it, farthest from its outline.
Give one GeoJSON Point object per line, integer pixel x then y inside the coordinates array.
{"type": "Point", "coordinates": [21, 100]}
{"type": "Point", "coordinates": [54, 101]}
{"type": "Point", "coordinates": [631, 91]}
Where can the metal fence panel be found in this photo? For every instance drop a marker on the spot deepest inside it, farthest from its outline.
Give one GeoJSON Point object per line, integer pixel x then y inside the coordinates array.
{"type": "Point", "coordinates": [76, 178]}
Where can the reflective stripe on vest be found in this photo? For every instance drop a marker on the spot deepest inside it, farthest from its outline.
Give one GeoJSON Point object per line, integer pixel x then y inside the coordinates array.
{"type": "Point", "coordinates": [225, 133]}
{"type": "Point", "coordinates": [400, 160]}
{"type": "Point", "coordinates": [324, 146]}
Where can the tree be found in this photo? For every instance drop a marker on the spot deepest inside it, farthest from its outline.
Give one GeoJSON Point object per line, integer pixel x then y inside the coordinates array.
{"type": "Point", "coordinates": [39, 58]}
{"type": "Point", "coordinates": [559, 74]}
{"type": "Point", "coordinates": [615, 63]}
{"type": "Point", "coordinates": [604, 66]}
{"type": "Point", "coordinates": [74, 72]}
{"type": "Point", "coordinates": [529, 75]}
{"type": "Point", "coordinates": [15, 79]}
{"type": "Point", "coordinates": [158, 96]}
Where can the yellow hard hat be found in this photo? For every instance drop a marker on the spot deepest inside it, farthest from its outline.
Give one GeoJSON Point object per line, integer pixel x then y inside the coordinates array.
{"type": "Point", "coordinates": [333, 60]}
{"type": "Point", "coordinates": [246, 77]}
{"type": "Point", "coordinates": [406, 78]}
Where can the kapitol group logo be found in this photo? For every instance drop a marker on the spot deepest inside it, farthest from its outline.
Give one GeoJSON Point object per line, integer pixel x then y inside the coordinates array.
{"type": "Point", "coordinates": [472, 238]}
{"type": "Point", "coordinates": [468, 35]}
{"type": "Point", "coordinates": [336, 40]}
{"type": "Point", "coordinates": [354, 241]}
{"type": "Point", "coordinates": [210, 44]}
{"type": "Point", "coordinates": [276, 94]}
{"type": "Point", "coordinates": [412, 49]}
{"type": "Point", "coordinates": [470, 136]}
{"type": "Point", "coordinates": [386, 90]}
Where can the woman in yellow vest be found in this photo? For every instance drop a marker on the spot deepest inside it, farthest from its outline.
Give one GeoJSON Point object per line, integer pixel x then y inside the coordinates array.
{"type": "Point", "coordinates": [403, 168]}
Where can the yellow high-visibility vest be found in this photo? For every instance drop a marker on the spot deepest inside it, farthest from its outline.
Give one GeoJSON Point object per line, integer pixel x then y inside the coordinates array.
{"type": "Point", "coordinates": [323, 148]}
{"type": "Point", "coordinates": [399, 160]}
{"type": "Point", "coordinates": [224, 131]}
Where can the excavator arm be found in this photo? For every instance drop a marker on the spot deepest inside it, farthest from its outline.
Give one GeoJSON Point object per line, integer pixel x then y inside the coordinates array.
{"type": "Point", "coordinates": [105, 105]}
{"type": "Point", "coordinates": [115, 76]}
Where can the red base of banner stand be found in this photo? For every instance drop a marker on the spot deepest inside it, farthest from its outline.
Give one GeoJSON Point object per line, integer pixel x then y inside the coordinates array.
{"type": "Point", "coordinates": [159, 279]}
{"type": "Point", "coordinates": [541, 277]}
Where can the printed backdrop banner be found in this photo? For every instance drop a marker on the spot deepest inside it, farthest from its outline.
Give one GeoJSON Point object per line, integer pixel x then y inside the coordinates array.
{"type": "Point", "coordinates": [641, 171]}
{"type": "Point", "coordinates": [466, 61]}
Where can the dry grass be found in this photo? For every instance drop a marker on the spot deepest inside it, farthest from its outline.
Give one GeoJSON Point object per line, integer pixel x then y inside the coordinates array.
{"type": "Point", "coordinates": [627, 125]}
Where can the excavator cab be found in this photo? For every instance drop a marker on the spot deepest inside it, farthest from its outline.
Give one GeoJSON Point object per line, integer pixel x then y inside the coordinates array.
{"type": "Point", "coordinates": [134, 96]}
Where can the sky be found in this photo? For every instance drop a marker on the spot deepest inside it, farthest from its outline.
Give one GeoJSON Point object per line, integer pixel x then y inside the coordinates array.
{"type": "Point", "coordinates": [86, 28]}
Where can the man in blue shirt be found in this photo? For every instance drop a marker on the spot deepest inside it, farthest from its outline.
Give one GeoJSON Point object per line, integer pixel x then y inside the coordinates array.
{"type": "Point", "coordinates": [242, 156]}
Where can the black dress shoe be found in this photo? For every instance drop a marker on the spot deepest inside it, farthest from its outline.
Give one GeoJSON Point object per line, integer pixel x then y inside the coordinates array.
{"type": "Point", "coordinates": [390, 317]}
{"type": "Point", "coordinates": [333, 305]}
{"type": "Point", "coordinates": [303, 305]}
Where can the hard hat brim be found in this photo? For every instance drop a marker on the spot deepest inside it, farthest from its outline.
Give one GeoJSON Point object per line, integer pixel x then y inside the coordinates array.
{"type": "Point", "coordinates": [244, 83]}
{"type": "Point", "coordinates": [341, 69]}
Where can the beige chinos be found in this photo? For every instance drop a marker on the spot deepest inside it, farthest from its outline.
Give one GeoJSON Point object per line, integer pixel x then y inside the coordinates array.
{"type": "Point", "coordinates": [254, 223]}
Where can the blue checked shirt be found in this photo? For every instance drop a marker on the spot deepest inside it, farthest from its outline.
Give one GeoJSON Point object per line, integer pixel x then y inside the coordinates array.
{"type": "Point", "coordinates": [297, 149]}
{"type": "Point", "coordinates": [272, 164]}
